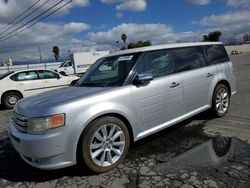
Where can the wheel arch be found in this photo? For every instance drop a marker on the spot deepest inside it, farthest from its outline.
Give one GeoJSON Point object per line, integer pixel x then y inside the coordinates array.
{"type": "Point", "coordinates": [13, 90]}
{"type": "Point", "coordinates": [117, 115]}
{"type": "Point", "coordinates": [63, 73]}
{"type": "Point", "coordinates": [226, 83]}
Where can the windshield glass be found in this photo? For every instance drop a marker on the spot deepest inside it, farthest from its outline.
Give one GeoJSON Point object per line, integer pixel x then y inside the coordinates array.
{"type": "Point", "coordinates": [2, 76]}
{"type": "Point", "coordinates": [109, 71]}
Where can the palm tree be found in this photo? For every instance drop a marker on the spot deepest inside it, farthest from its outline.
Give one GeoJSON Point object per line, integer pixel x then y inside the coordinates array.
{"type": "Point", "coordinates": [124, 38]}
{"type": "Point", "coordinates": [56, 52]}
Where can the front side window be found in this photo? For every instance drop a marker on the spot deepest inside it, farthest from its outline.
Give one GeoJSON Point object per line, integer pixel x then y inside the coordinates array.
{"type": "Point", "coordinates": [158, 63]}
{"type": "Point", "coordinates": [23, 76]}
{"type": "Point", "coordinates": [68, 64]}
{"type": "Point", "coordinates": [215, 54]}
{"type": "Point", "coordinates": [109, 71]}
{"type": "Point", "coordinates": [188, 58]}
{"type": "Point", "coordinates": [45, 74]}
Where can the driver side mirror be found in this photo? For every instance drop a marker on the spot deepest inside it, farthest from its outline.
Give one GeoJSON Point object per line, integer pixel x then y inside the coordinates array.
{"type": "Point", "coordinates": [143, 78]}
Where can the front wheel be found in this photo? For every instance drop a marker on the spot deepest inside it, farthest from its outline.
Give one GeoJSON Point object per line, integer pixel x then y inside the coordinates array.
{"type": "Point", "coordinates": [105, 143]}
{"type": "Point", "coordinates": [10, 99]}
{"type": "Point", "coordinates": [221, 100]}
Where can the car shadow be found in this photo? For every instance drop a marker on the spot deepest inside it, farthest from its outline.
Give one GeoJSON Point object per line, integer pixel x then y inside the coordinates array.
{"type": "Point", "coordinates": [2, 108]}
{"type": "Point", "coordinates": [14, 169]}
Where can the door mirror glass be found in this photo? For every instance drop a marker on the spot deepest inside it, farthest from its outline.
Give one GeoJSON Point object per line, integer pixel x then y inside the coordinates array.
{"type": "Point", "coordinates": [144, 78]}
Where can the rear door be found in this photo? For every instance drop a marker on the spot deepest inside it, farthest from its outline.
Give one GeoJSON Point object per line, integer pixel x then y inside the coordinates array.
{"type": "Point", "coordinates": [195, 75]}
{"type": "Point", "coordinates": [161, 100]}
{"type": "Point", "coordinates": [52, 80]}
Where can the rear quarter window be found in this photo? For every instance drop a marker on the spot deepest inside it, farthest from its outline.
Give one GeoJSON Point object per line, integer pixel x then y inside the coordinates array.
{"type": "Point", "coordinates": [215, 54]}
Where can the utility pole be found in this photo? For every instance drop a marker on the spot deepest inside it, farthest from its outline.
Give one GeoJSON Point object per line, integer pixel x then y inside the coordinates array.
{"type": "Point", "coordinates": [40, 54]}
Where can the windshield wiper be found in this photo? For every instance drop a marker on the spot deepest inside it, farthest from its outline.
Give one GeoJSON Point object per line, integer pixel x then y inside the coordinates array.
{"type": "Point", "coordinates": [92, 84]}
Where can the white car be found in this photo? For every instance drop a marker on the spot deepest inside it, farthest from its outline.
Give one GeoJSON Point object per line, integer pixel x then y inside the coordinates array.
{"type": "Point", "coordinates": [19, 84]}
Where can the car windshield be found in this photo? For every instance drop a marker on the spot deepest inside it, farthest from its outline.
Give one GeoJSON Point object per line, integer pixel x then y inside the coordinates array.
{"type": "Point", "coordinates": [2, 76]}
{"type": "Point", "coordinates": [109, 71]}
{"type": "Point", "coordinates": [62, 64]}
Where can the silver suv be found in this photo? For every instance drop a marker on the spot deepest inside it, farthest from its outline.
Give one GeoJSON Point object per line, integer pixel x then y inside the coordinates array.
{"type": "Point", "coordinates": [122, 98]}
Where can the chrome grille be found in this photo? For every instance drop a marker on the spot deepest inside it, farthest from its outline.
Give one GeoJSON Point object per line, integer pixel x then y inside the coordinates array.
{"type": "Point", "coordinates": [20, 122]}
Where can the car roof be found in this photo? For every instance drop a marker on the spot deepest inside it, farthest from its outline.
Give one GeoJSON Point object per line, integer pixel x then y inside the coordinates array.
{"type": "Point", "coordinates": [160, 47]}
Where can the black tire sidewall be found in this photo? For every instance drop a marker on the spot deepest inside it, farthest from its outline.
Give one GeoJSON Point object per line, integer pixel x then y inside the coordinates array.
{"type": "Point", "coordinates": [215, 110]}
{"type": "Point", "coordinates": [87, 138]}
{"type": "Point", "coordinates": [7, 96]}
{"type": "Point", "coordinates": [220, 152]}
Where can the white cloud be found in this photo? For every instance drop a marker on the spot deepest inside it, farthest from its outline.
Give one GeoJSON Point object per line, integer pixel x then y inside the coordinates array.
{"type": "Point", "coordinates": [199, 2]}
{"type": "Point", "coordinates": [134, 32]}
{"type": "Point", "coordinates": [23, 46]}
{"type": "Point", "coordinates": [133, 5]}
{"type": "Point", "coordinates": [119, 15]}
{"type": "Point", "coordinates": [233, 25]}
{"type": "Point", "coordinates": [239, 3]}
{"type": "Point", "coordinates": [156, 33]}
{"type": "Point", "coordinates": [75, 27]}
{"type": "Point", "coordinates": [226, 19]}
{"type": "Point", "coordinates": [128, 5]}
{"type": "Point", "coordinates": [11, 8]}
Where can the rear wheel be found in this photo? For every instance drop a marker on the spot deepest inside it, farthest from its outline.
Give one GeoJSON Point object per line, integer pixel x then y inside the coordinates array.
{"type": "Point", "coordinates": [221, 100]}
{"type": "Point", "coordinates": [221, 145]}
{"type": "Point", "coordinates": [105, 143]}
{"type": "Point", "coordinates": [10, 99]}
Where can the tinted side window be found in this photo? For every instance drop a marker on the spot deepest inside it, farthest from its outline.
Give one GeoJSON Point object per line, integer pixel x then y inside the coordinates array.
{"type": "Point", "coordinates": [158, 63]}
{"type": "Point", "coordinates": [44, 74]}
{"type": "Point", "coordinates": [215, 54]}
{"type": "Point", "coordinates": [68, 64]}
{"type": "Point", "coordinates": [188, 58]}
{"type": "Point", "coordinates": [23, 76]}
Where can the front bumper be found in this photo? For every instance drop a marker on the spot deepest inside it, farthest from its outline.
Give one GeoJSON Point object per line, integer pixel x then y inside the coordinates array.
{"type": "Point", "coordinates": [48, 151]}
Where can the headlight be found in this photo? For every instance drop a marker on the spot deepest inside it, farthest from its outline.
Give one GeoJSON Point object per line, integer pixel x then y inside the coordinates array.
{"type": "Point", "coordinates": [40, 125]}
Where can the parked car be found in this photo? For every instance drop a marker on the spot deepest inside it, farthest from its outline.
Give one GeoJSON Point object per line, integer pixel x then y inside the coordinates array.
{"type": "Point", "coordinates": [19, 84]}
{"type": "Point", "coordinates": [122, 98]}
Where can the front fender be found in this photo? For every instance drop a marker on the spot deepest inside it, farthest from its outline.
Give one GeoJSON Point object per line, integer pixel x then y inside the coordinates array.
{"type": "Point", "coordinates": [101, 109]}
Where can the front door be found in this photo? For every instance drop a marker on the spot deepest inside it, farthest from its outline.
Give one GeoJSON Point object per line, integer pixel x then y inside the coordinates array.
{"type": "Point", "coordinates": [161, 100]}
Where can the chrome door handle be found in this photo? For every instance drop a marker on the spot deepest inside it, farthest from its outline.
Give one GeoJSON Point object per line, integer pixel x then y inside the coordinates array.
{"type": "Point", "coordinates": [209, 75]}
{"type": "Point", "coordinates": [174, 85]}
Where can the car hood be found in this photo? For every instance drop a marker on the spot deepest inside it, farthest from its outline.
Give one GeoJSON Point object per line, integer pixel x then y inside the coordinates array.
{"type": "Point", "coordinates": [54, 99]}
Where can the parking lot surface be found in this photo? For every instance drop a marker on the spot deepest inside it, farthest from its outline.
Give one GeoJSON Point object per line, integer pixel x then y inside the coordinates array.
{"type": "Point", "coordinates": [181, 156]}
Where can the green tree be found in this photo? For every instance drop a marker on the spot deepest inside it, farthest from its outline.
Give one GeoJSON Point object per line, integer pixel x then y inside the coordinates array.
{"type": "Point", "coordinates": [139, 44]}
{"type": "Point", "coordinates": [124, 38]}
{"type": "Point", "coordinates": [212, 36]}
{"type": "Point", "coordinates": [56, 52]}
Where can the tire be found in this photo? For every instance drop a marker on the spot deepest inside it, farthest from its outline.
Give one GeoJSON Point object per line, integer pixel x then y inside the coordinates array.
{"type": "Point", "coordinates": [106, 154]}
{"type": "Point", "coordinates": [63, 73]}
{"type": "Point", "coordinates": [221, 145]}
{"type": "Point", "coordinates": [221, 100]}
{"type": "Point", "coordinates": [9, 99]}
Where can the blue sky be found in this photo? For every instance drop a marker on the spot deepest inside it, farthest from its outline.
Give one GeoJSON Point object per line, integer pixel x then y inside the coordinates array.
{"type": "Point", "coordinates": [86, 25]}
